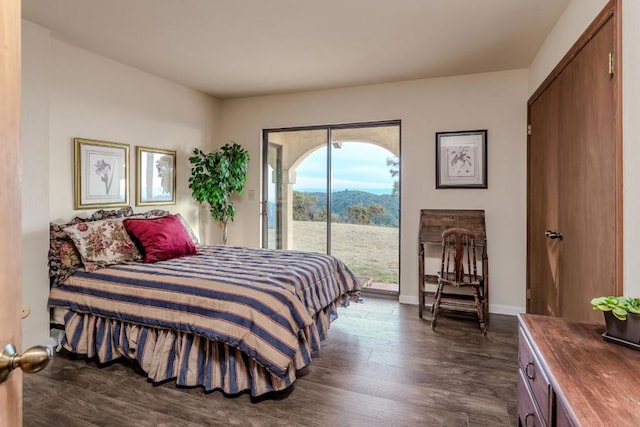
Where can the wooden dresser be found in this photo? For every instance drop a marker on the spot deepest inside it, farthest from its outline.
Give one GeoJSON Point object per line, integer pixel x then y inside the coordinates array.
{"type": "Point", "coordinates": [569, 376]}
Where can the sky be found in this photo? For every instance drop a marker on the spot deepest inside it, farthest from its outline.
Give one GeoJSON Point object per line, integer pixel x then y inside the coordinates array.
{"type": "Point", "coordinates": [356, 166]}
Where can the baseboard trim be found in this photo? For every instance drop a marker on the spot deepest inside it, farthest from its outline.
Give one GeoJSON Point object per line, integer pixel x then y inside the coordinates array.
{"type": "Point", "coordinates": [505, 309]}
{"type": "Point", "coordinates": [493, 308]}
{"type": "Point", "coordinates": [408, 299]}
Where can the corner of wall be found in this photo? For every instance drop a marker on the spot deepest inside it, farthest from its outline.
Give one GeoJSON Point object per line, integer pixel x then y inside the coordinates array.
{"type": "Point", "coordinates": [35, 172]}
{"type": "Point", "coordinates": [575, 19]}
{"type": "Point", "coordinates": [631, 148]}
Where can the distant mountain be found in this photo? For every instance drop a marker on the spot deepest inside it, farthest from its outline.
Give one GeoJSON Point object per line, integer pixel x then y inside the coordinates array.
{"type": "Point", "coordinates": [340, 200]}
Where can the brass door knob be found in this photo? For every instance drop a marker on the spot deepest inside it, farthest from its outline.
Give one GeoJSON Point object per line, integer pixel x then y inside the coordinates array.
{"type": "Point", "coordinates": [33, 360]}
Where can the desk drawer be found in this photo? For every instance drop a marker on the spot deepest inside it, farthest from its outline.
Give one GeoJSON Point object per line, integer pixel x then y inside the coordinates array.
{"type": "Point", "coordinates": [528, 413]}
{"type": "Point", "coordinates": [533, 374]}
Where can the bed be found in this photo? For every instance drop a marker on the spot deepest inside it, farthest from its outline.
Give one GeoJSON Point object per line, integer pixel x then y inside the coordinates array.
{"type": "Point", "coordinates": [229, 318]}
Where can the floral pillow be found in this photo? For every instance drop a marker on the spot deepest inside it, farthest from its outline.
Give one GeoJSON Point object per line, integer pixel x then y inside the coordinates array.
{"type": "Point", "coordinates": [64, 258]}
{"type": "Point", "coordinates": [114, 213]}
{"type": "Point", "coordinates": [154, 213]}
{"type": "Point", "coordinates": [103, 243]}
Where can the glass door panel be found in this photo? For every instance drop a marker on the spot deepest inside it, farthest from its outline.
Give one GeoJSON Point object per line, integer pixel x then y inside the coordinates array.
{"type": "Point", "coordinates": [273, 202]}
{"type": "Point", "coordinates": [295, 190]}
{"type": "Point", "coordinates": [365, 203]}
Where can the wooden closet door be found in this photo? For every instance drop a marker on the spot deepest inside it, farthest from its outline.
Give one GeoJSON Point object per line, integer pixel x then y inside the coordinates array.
{"type": "Point", "coordinates": [572, 180]}
{"type": "Point", "coordinates": [542, 253]}
{"type": "Point", "coordinates": [587, 181]}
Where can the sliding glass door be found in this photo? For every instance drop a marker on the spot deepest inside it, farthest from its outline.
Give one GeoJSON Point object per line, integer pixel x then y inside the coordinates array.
{"type": "Point", "coordinates": [335, 190]}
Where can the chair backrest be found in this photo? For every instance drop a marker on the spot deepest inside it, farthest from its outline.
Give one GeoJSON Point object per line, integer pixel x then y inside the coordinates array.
{"type": "Point", "coordinates": [459, 256]}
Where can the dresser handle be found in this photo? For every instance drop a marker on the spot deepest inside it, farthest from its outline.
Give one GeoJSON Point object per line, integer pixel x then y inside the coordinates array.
{"type": "Point", "coordinates": [533, 372]}
{"type": "Point", "coordinates": [526, 420]}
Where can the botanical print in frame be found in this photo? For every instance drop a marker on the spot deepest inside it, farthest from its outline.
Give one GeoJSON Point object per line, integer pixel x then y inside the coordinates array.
{"type": "Point", "coordinates": [101, 174]}
{"type": "Point", "coordinates": [155, 177]}
{"type": "Point", "coordinates": [461, 159]}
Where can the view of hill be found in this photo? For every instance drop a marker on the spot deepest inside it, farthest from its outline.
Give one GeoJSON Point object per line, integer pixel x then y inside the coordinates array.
{"type": "Point", "coordinates": [368, 250]}
{"type": "Point", "coordinates": [341, 200]}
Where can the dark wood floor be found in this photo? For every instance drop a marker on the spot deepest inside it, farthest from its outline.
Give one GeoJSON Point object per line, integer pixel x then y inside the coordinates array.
{"type": "Point", "coordinates": [381, 366]}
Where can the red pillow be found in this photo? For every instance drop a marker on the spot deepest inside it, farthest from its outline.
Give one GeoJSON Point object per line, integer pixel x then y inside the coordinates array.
{"type": "Point", "coordinates": [161, 238]}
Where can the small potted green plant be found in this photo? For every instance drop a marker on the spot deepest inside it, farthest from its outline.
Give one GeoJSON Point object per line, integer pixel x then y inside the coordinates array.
{"type": "Point", "coordinates": [622, 316]}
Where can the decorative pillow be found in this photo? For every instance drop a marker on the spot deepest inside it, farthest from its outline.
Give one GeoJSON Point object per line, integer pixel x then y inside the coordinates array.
{"type": "Point", "coordinates": [64, 259]}
{"type": "Point", "coordinates": [161, 238]}
{"type": "Point", "coordinates": [108, 214]}
{"type": "Point", "coordinates": [188, 229]}
{"type": "Point", "coordinates": [103, 243]}
{"type": "Point", "coordinates": [154, 213]}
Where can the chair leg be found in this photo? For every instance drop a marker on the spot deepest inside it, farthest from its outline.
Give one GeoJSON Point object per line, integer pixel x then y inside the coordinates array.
{"type": "Point", "coordinates": [435, 297]}
{"type": "Point", "coordinates": [480, 311]}
{"type": "Point", "coordinates": [436, 306]}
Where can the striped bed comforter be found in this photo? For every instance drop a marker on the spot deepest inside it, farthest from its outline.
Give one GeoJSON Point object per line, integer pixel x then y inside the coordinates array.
{"type": "Point", "coordinates": [270, 305]}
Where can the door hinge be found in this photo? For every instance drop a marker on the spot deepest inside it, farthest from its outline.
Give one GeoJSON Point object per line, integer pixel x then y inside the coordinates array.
{"type": "Point", "coordinates": [528, 293]}
{"type": "Point", "coordinates": [611, 63]}
{"type": "Point", "coordinates": [528, 129]}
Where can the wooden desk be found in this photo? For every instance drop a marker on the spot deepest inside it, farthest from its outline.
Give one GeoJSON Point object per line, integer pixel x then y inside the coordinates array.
{"type": "Point", "coordinates": [569, 376]}
{"type": "Point", "coordinates": [432, 223]}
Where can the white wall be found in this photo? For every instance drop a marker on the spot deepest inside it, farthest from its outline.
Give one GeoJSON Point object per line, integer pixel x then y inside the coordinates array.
{"type": "Point", "coordinates": [631, 144]}
{"type": "Point", "coordinates": [571, 25]}
{"type": "Point", "coordinates": [35, 192]}
{"type": "Point", "coordinates": [70, 92]}
{"type": "Point", "coordinates": [96, 98]}
{"type": "Point", "coordinates": [493, 101]}
{"type": "Point", "coordinates": [575, 19]}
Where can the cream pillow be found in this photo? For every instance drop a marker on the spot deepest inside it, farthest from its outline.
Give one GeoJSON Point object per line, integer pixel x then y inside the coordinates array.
{"type": "Point", "coordinates": [103, 243]}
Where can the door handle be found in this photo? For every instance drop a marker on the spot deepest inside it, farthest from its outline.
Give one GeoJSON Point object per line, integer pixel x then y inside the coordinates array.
{"type": "Point", "coordinates": [33, 360]}
{"type": "Point", "coordinates": [553, 235]}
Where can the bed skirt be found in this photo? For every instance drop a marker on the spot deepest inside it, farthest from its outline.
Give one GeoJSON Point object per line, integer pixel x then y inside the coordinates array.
{"type": "Point", "coordinates": [191, 359]}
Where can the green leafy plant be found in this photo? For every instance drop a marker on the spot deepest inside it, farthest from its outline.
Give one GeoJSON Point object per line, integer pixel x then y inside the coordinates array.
{"type": "Point", "coordinates": [619, 306]}
{"type": "Point", "coordinates": [216, 177]}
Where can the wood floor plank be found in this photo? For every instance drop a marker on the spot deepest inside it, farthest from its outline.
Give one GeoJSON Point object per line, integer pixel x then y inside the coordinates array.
{"type": "Point", "coordinates": [380, 366]}
{"type": "Point", "coordinates": [431, 396]}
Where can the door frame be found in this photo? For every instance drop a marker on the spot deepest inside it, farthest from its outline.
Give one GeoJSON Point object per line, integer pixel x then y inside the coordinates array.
{"type": "Point", "coordinates": [264, 212]}
{"type": "Point", "coordinates": [10, 219]}
{"type": "Point", "coordinates": [612, 10]}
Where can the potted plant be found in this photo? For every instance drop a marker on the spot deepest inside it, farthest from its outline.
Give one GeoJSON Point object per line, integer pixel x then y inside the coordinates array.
{"type": "Point", "coordinates": [216, 177]}
{"type": "Point", "coordinates": [622, 316]}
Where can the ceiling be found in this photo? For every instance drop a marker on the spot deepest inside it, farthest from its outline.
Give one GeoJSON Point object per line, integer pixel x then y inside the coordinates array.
{"type": "Point", "coordinates": [238, 48]}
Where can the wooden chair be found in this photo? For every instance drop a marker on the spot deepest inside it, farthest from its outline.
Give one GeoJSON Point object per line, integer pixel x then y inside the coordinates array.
{"type": "Point", "coordinates": [459, 269]}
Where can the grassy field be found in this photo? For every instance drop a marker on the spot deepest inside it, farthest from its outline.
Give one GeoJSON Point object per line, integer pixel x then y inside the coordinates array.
{"type": "Point", "coordinates": [368, 250]}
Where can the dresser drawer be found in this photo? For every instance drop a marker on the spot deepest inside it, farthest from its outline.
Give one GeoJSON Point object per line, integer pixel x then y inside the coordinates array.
{"type": "Point", "coordinates": [534, 376]}
{"type": "Point", "coordinates": [528, 412]}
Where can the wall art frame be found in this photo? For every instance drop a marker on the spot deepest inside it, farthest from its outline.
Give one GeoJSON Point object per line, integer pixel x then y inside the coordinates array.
{"type": "Point", "coordinates": [461, 159]}
{"type": "Point", "coordinates": [155, 176]}
{"type": "Point", "coordinates": [101, 174]}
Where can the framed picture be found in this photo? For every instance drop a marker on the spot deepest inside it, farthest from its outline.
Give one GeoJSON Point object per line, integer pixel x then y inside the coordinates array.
{"type": "Point", "coordinates": [461, 159]}
{"type": "Point", "coordinates": [155, 177]}
{"type": "Point", "coordinates": [101, 174]}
